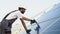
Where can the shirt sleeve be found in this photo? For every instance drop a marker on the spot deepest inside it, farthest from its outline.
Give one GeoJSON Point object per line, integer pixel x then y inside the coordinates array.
{"type": "Point", "coordinates": [19, 15]}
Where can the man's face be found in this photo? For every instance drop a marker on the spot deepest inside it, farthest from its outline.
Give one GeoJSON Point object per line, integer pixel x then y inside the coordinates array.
{"type": "Point", "coordinates": [22, 11]}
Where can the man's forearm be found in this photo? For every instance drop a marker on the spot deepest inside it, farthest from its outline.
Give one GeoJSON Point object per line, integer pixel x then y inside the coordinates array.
{"type": "Point", "coordinates": [27, 19]}
{"type": "Point", "coordinates": [23, 23]}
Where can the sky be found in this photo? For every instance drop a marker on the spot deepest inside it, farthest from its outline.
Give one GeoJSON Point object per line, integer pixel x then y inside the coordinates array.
{"type": "Point", "coordinates": [33, 6]}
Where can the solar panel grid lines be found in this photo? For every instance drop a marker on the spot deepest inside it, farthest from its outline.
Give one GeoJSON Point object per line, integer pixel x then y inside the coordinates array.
{"type": "Point", "coordinates": [49, 26]}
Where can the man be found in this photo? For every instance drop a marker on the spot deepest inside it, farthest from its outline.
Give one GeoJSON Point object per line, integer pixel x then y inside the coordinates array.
{"type": "Point", "coordinates": [22, 10]}
{"type": "Point", "coordinates": [19, 14]}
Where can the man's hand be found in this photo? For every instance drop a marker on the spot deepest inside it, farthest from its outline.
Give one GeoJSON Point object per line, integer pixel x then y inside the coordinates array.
{"type": "Point", "coordinates": [33, 21]}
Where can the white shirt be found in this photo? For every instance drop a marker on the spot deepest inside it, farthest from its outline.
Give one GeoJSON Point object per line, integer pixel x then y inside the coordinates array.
{"type": "Point", "coordinates": [14, 15]}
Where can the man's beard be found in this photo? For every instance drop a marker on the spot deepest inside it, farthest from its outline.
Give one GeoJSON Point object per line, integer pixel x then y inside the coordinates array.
{"type": "Point", "coordinates": [22, 12]}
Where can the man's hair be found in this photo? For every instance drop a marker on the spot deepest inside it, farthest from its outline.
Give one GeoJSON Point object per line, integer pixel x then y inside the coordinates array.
{"type": "Point", "coordinates": [19, 8]}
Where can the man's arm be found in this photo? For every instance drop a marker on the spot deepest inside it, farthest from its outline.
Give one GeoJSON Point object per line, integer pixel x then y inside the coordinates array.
{"type": "Point", "coordinates": [23, 23]}
{"type": "Point", "coordinates": [24, 18]}
{"type": "Point", "coordinates": [27, 19]}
